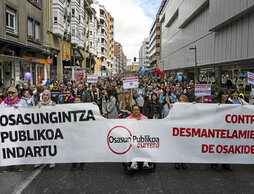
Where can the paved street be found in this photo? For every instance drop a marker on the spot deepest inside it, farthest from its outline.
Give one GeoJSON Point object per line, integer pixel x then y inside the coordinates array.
{"type": "Point", "coordinates": [109, 178]}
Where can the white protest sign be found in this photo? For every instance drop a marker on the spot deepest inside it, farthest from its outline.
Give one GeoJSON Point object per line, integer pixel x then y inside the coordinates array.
{"type": "Point", "coordinates": [252, 92]}
{"type": "Point", "coordinates": [250, 77]}
{"type": "Point", "coordinates": [203, 90]}
{"type": "Point", "coordinates": [193, 133]}
{"type": "Point", "coordinates": [130, 82]}
{"type": "Point", "coordinates": [92, 79]}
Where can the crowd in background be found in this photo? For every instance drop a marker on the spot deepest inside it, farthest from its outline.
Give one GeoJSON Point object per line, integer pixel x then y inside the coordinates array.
{"type": "Point", "coordinates": [155, 95]}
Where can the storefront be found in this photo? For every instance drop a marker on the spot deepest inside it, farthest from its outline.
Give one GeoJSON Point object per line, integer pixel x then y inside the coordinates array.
{"type": "Point", "coordinates": [10, 73]}
{"type": "Point", "coordinates": [37, 67]}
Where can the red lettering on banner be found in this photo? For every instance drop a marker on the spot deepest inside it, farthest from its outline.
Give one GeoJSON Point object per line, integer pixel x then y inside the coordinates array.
{"type": "Point", "coordinates": [239, 119]}
{"type": "Point", "coordinates": [175, 131]}
{"type": "Point", "coordinates": [228, 149]}
{"type": "Point", "coordinates": [207, 148]}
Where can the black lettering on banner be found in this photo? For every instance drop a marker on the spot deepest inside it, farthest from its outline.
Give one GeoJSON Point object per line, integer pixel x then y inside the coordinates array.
{"type": "Point", "coordinates": [66, 116]}
{"type": "Point", "coordinates": [22, 136]}
{"type": "Point", "coordinates": [12, 121]}
{"type": "Point", "coordinates": [35, 121]}
{"type": "Point", "coordinates": [90, 115]}
{"type": "Point", "coordinates": [20, 119]}
{"type": "Point", "coordinates": [4, 135]}
{"type": "Point", "coordinates": [53, 117]}
{"type": "Point", "coordinates": [44, 118]}
{"type": "Point", "coordinates": [58, 134]}
{"type": "Point", "coordinates": [28, 119]}
{"type": "Point", "coordinates": [2, 122]}
{"type": "Point", "coordinates": [29, 151]}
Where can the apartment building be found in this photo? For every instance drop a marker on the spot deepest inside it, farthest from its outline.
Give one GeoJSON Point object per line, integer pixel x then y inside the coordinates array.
{"type": "Point", "coordinates": [144, 54]}
{"type": "Point", "coordinates": [110, 43]}
{"type": "Point", "coordinates": [120, 58]}
{"type": "Point", "coordinates": [21, 41]}
{"type": "Point", "coordinates": [154, 44]}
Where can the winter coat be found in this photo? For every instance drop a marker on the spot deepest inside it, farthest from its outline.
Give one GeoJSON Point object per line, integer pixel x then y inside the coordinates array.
{"type": "Point", "coordinates": [154, 109]}
{"type": "Point", "coordinates": [27, 102]}
{"type": "Point", "coordinates": [165, 110]}
{"type": "Point", "coordinates": [109, 106]}
{"type": "Point", "coordinates": [140, 97]}
{"type": "Point", "coordinates": [84, 95]}
{"type": "Point", "coordinates": [6, 103]}
{"type": "Point", "coordinates": [172, 98]}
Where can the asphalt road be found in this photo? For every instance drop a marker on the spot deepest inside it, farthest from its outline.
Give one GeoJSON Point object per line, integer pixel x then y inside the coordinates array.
{"type": "Point", "coordinates": [109, 178]}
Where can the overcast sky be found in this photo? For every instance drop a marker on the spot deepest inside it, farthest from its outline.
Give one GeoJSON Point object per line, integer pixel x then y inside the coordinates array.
{"type": "Point", "coordinates": [133, 20]}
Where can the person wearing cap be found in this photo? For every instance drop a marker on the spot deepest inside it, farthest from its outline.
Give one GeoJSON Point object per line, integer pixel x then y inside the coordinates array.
{"type": "Point", "coordinates": [12, 99]}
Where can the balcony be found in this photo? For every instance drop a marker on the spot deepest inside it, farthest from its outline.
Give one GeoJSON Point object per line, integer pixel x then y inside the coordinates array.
{"type": "Point", "coordinates": [81, 44]}
{"type": "Point", "coordinates": [103, 55]}
{"type": "Point", "coordinates": [103, 18]}
{"type": "Point", "coordinates": [103, 46]}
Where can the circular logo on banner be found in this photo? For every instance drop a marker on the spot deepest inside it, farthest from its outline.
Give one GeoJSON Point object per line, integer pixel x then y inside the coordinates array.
{"type": "Point", "coordinates": [119, 140]}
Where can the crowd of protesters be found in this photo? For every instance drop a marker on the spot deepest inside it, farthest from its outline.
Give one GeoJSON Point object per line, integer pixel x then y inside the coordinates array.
{"type": "Point", "coordinates": [155, 97]}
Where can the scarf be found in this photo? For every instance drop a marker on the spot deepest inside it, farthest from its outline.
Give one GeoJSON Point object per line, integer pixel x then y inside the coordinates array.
{"type": "Point", "coordinates": [15, 101]}
{"type": "Point", "coordinates": [47, 103]}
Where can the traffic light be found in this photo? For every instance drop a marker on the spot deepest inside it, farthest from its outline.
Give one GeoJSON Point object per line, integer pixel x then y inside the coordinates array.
{"type": "Point", "coordinates": [135, 59]}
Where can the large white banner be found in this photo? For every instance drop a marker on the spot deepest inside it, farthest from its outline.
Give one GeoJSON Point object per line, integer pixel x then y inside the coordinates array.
{"type": "Point", "coordinates": [192, 133]}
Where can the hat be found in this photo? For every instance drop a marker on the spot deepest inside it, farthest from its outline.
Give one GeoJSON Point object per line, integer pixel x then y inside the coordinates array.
{"type": "Point", "coordinates": [12, 89]}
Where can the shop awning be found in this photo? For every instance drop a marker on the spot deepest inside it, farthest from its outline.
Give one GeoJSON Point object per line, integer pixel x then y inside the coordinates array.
{"type": "Point", "coordinates": [11, 58]}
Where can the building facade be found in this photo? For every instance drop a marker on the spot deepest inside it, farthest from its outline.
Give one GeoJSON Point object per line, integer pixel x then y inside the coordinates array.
{"type": "Point", "coordinates": [54, 39]}
{"type": "Point", "coordinates": [144, 54]}
{"type": "Point", "coordinates": [105, 38]}
{"type": "Point", "coordinates": [120, 58]}
{"type": "Point", "coordinates": [66, 36]}
{"type": "Point", "coordinates": [210, 41]}
{"type": "Point", "coordinates": [21, 41]}
{"type": "Point", "coordinates": [110, 44]}
{"type": "Point", "coordinates": [154, 44]}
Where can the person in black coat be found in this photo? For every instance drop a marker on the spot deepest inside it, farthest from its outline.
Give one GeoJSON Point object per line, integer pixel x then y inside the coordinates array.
{"type": "Point", "coordinates": [154, 107]}
{"type": "Point", "coordinates": [222, 98]}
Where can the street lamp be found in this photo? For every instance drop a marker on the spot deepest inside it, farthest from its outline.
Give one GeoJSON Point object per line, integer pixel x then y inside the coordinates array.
{"type": "Point", "coordinates": [195, 63]}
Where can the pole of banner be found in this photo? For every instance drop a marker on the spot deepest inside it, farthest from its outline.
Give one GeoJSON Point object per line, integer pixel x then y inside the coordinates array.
{"type": "Point", "coordinates": [73, 64]}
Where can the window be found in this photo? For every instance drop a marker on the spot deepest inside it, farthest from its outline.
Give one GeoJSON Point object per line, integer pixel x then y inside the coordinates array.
{"type": "Point", "coordinates": [37, 32]}
{"type": "Point", "coordinates": [36, 3]}
{"type": "Point", "coordinates": [30, 31]}
{"type": "Point", "coordinates": [33, 30]}
{"type": "Point", "coordinates": [11, 21]}
{"type": "Point", "coordinates": [91, 33]}
{"type": "Point", "coordinates": [91, 45]}
{"type": "Point", "coordinates": [73, 12]}
{"type": "Point", "coordinates": [73, 32]}
{"type": "Point", "coordinates": [55, 20]}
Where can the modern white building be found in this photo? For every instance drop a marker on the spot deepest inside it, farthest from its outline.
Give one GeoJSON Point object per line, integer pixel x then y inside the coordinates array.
{"type": "Point", "coordinates": [93, 35]}
{"type": "Point", "coordinates": [212, 37]}
{"type": "Point", "coordinates": [102, 32]}
{"type": "Point", "coordinates": [144, 54]}
{"type": "Point", "coordinates": [68, 20]}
